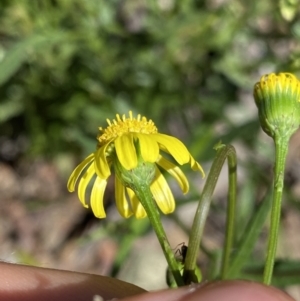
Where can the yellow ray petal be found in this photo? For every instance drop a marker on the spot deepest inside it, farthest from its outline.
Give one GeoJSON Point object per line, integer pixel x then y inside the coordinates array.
{"type": "Point", "coordinates": [136, 205]}
{"type": "Point", "coordinates": [77, 171]}
{"type": "Point", "coordinates": [126, 151]}
{"type": "Point", "coordinates": [162, 193]}
{"type": "Point", "coordinates": [173, 146]}
{"type": "Point", "coordinates": [175, 172]}
{"type": "Point", "coordinates": [97, 197]}
{"type": "Point", "coordinates": [101, 162]}
{"type": "Point", "coordinates": [148, 146]}
{"type": "Point", "coordinates": [121, 201]}
{"type": "Point", "coordinates": [84, 182]}
{"type": "Point", "coordinates": [196, 166]}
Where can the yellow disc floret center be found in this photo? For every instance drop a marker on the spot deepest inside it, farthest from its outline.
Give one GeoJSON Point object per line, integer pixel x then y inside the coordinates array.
{"type": "Point", "coordinates": [120, 126]}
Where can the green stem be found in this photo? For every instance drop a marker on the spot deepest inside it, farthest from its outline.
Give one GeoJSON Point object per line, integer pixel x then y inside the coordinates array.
{"type": "Point", "coordinates": [223, 152]}
{"type": "Point", "coordinates": [145, 196]}
{"type": "Point", "coordinates": [281, 148]}
{"type": "Point", "coordinates": [231, 207]}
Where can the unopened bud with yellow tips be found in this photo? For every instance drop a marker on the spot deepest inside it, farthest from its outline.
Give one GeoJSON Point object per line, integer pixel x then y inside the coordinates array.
{"type": "Point", "coordinates": [277, 97]}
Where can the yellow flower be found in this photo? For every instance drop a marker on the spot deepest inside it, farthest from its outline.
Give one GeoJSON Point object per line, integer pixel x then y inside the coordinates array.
{"type": "Point", "coordinates": [118, 142]}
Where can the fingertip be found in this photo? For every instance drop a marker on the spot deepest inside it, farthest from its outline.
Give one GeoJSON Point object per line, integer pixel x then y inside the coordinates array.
{"type": "Point", "coordinates": [236, 290]}
{"type": "Point", "coordinates": [231, 290]}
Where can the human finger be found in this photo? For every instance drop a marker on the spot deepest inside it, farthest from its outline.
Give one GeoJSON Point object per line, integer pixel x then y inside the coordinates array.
{"type": "Point", "coordinates": [27, 283]}
{"type": "Point", "coordinates": [234, 290]}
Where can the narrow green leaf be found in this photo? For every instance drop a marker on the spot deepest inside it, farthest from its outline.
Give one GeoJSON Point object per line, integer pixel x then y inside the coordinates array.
{"type": "Point", "coordinates": [249, 238]}
{"type": "Point", "coordinates": [10, 109]}
{"type": "Point", "coordinates": [286, 272]}
{"type": "Point", "coordinates": [18, 53]}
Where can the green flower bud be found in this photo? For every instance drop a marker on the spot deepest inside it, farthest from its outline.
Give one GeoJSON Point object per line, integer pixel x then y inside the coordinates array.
{"type": "Point", "coordinates": [277, 97]}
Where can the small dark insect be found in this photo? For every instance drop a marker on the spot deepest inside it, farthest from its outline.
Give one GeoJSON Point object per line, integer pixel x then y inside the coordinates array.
{"type": "Point", "coordinates": [180, 255]}
{"type": "Point", "coordinates": [182, 251]}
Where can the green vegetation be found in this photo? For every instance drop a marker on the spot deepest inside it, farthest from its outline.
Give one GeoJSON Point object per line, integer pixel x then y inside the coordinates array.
{"type": "Point", "coordinates": [67, 65]}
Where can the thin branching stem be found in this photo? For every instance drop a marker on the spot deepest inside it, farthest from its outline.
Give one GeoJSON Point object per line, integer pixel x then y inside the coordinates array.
{"type": "Point", "coordinates": [223, 152]}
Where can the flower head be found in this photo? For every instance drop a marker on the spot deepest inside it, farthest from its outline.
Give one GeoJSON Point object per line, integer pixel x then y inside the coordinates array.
{"type": "Point", "coordinates": [277, 97]}
{"type": "Point", "coordinates": [131, 144]}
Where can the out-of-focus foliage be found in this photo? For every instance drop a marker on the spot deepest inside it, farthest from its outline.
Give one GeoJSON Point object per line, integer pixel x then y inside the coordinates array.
{"type": "Point", "coordinates": [67, 65]}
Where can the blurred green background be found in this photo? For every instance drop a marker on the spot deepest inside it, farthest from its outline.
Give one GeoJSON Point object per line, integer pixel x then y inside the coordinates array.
{"type": "Point", "coordinates": [67, 65]}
